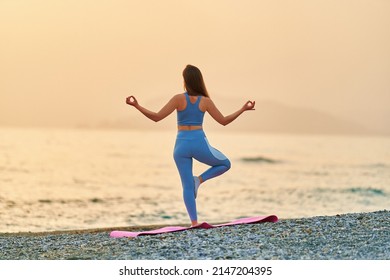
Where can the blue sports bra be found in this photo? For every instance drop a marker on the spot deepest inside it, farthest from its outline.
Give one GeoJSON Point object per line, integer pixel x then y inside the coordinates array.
{"type": "Point", "coordinates": [191, 115]}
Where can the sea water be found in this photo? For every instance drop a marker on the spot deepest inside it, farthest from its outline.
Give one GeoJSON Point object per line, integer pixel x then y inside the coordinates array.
{"type": "Point", "coordinates": [63, 179]}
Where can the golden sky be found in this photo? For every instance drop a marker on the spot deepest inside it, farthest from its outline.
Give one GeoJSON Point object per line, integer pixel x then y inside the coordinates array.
{"type": "Point", "coordinates": [74, 62]}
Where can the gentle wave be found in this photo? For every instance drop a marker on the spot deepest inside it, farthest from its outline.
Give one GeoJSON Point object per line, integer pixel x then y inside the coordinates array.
{"type": "Point", "coordinates": [376, 165]}
{"type": "Point", "coordinates": [366, 191]}
{"type": "Point", "coordinates": [260, 159]}
{"type": "Point", "coordinates": [355, 190]}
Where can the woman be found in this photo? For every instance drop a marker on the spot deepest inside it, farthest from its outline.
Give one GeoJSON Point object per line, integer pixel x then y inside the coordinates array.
{"type": "Point", "coordinates": [191, 142]}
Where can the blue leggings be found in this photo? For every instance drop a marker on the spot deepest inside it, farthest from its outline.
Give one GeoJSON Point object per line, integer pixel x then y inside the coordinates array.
{"type": "Point", "coordinates": [193, 144]}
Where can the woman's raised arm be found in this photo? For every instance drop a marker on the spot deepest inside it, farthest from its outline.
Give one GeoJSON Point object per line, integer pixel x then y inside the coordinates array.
{"type": "Point", "coordinates": [225, 120]}
{"type": "Point", "coordinates": [163, 113]}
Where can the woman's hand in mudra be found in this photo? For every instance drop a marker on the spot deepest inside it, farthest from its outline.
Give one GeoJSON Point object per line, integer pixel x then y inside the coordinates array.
{"type": "Point", "coordinates": [132, 101]}
{"type": "Point", "coordinates": [250, 105]}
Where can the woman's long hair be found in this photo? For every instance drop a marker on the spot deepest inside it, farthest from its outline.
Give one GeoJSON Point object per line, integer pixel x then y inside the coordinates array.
{"type": "Point", "coordinates": [193, 81]}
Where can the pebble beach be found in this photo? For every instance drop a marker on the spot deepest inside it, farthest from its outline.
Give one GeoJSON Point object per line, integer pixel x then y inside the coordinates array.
{"type": "Point", "coordinates": [364, 236]}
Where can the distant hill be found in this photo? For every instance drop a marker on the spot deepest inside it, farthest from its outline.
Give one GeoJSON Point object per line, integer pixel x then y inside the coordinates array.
{"type": "Point", "coordinates": [275, 117]}
{"type": "Point", "coordinates": [269, 116]}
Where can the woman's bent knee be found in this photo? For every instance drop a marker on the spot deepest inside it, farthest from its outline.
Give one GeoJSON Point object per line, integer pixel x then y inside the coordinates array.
{"type": "Point", "coordinates": [228, 164]}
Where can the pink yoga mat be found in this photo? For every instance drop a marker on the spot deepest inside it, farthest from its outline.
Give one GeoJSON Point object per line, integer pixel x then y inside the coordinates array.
{"type": "Point", "coordinates": [250, 220]}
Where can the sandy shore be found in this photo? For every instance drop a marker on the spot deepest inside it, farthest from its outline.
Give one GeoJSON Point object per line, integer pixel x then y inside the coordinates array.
{"type": "Point", "coordinates": [348, 236]}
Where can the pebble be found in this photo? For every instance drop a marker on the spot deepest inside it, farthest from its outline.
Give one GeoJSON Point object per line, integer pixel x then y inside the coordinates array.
{"type": "Point", "coordinates": [348, 236]}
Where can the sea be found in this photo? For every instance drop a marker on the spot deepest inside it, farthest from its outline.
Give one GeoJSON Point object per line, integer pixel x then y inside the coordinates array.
{"type": "Point", "coordinates": [69, 179]}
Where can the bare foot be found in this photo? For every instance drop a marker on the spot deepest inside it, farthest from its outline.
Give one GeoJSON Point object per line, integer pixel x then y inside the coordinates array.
{"type": "Point", "coordinates": [195, 223]}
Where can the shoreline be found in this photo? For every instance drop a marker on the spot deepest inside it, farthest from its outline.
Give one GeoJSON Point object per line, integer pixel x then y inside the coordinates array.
{"type": "Point", "coordinates": [146, 227]}
{"type": "Point", "coordinates": [86, 231]}
{"type": "Point", "coordinates": [345, 236]}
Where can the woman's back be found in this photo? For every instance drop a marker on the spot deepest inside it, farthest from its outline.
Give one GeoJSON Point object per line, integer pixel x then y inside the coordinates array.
{"type": "Point", "coordinates": [189, 111]}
